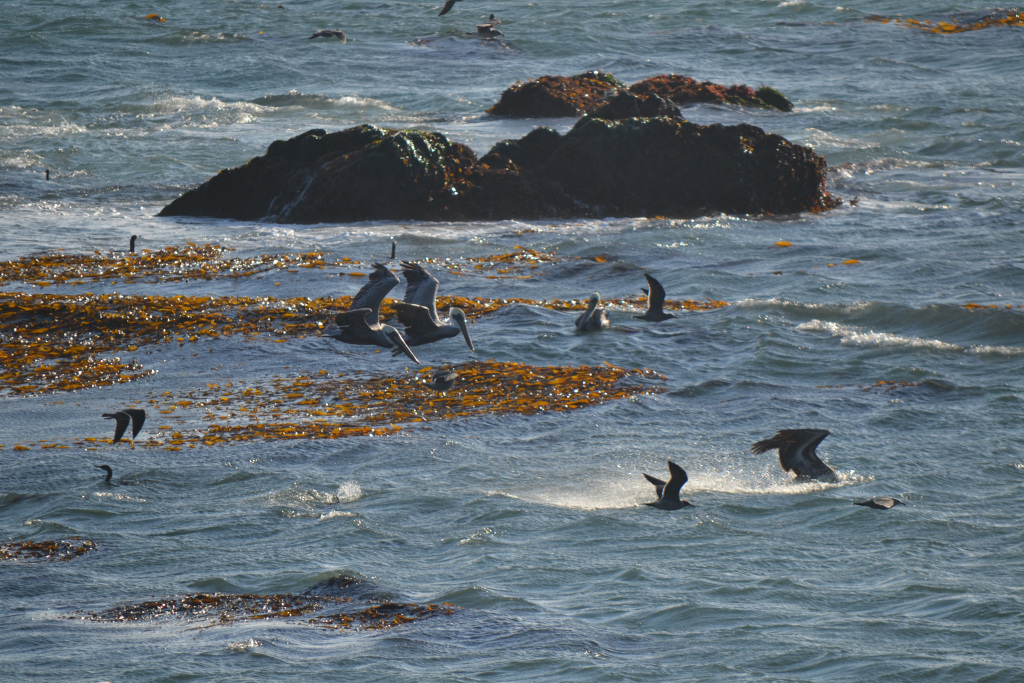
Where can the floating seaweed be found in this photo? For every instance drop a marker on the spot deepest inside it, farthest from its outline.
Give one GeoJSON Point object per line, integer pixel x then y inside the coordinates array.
{"type": "Point", "coordinates": [329, 612]}
{"type": "Point", "coordinates": [956, 24]}
{"type": "Point", "coordinates": [63, 549]}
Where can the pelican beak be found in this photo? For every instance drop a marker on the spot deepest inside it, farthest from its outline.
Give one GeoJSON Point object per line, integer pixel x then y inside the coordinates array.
{"type": "Point", "coordinates": [460, 320]}
{"type": "Point", "coordinates": [400, 343]}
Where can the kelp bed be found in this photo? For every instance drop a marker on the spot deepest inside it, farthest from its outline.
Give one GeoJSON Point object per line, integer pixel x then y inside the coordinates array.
{"type": "Point", "coordinates": [957, 24]}
{"type": "Point", "coordinates": [322, 611]}
{"type": "Point", "coordinates": [323, 407]}
{"type": "Point", "coordinates": [63, 549]}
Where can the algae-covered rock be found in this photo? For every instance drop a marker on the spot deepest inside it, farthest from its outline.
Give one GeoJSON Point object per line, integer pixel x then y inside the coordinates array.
{"type": "Point", "coordinates": [362, 173]}
{"type": "Point", "coordinates": [639, 166]}
{"type": "Point", "coordinates": [685, 90]}
{"type": "Point", "coordinates": [556, 96]}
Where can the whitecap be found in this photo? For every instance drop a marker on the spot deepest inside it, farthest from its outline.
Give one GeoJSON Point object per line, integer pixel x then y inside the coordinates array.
{"type": "Point", "coordinates": [850, 334]}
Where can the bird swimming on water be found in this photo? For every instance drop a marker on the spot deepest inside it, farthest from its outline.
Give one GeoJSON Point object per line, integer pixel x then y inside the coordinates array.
{"type": "Point", "coordinates": [655, 302]}
{"type": "Point", "coordinates": [135, 416]}
{"type": "Point", "coordinates": [361, 323]}
{"type": "Point", "coordinates": [881, 503]}
{"type": "Point", "coordinates": [131, 244]}
{"type": "Point", "coordinates": [110, 473]}
{"type": "Point", "coordinates": [330, 33]}
{"type": "Point", "coordinates": [418, 311]}
{"type": "Point", "coordinates": [593, 318]}
{"type": "Point", "coordinates": [668, 493]}
{"type": "Point", "coordinates": [796, 452]}
{"type": "Point", "coordinates": [487, 29]}
{"type": "Point", "coordinates": [443, 380]}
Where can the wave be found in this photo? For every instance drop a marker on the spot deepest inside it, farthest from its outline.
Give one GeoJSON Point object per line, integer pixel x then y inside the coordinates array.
{"type": "Point", "coordinates": [853, 335]}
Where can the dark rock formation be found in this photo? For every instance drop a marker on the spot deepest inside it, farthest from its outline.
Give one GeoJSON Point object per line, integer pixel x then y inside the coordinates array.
{"type": "Point", "coordinates": [570, 96]}
{"type": "Point", "coordinates": [626, 105]}
{"type": "Point", "coordinates": [556, 96]}
{"type": "Point", "coordinates": [662, 166]}
{"type": "Point", "coordinates": [686, 90]}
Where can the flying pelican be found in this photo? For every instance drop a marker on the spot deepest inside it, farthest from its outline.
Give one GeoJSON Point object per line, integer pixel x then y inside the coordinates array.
{"type": "Point", "coordinates": [361, 323]}
{"type": "Point", "coordinates": [881, 503]}
{"type": "Point", "coordinates": [668, 494]}
{"type": "Point", "coordinates": [443, 380]}
{"type": "Point", "coordinates": [136, 416]}
{"type": "Point", "coordinates": [655, 302]}
{"type": "Point", "coordinates": [594, 318]}
{"type": "Point", "coordinates": [796, 452]}
{"type": "Point", "coordinates": [418, 313]}
{"type": "Point", "coordinates": [330, 33]}
{"type": "Point", "coordinates": [447, 7]}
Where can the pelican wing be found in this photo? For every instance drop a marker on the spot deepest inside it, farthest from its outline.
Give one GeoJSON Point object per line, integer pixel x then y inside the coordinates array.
{"type": "Point", "coordinates": [420, 288]}
{"type": "Point", "coordinates": [416, 319]}
{"type": "Point", "coordinates": [373, 292]}
{"type": "Point", "coordinates": [121, 420]}
{"type": "Point", "coordinates": [354, 326]}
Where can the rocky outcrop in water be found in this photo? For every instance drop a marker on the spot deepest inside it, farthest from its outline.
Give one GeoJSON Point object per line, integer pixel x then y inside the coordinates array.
{"type": "Point", "coordinates": [656, 166]}
{"type": "Point", "coordinates": [565, 96]}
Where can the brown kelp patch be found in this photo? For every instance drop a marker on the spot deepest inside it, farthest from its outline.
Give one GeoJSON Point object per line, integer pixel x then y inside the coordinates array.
{"type": "Point", "coordinates": [51, 342]}
{"type": "Point", "coordinates": [957, 23]}
{"type": "Point", "coordinates": [323, 407]}
{"type": "Point", "coordinates": [62, 549]}
{"type": "Point", "coordinates": [335, 613]}
{"type": "Point", "coordinates": [170, 264]}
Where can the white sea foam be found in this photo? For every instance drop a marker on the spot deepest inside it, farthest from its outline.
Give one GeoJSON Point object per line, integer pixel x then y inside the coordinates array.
{"type": "Point", "coordinates": [851, 334]}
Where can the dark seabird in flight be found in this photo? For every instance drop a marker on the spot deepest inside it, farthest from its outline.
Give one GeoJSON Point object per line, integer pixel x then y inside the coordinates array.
{"type": "Point", "coordinates": [881, 503]}
{"type": "Point", "coordinates": [135, 416]}
{"type": "Point", "coordinates": [361, 323]}
{"type": "Point", "coordinates": [655, 302]}
{"type": "Point", "coordinates": [796, 452]}
{"type": "Point", "coordinates": [668, 493]}
{"type": "Point", "coordinates": [330, 33]}
{"type": "Point", "coordinates": [110, 473]}
{"type": "Point", "coordinates": [447, 7]}
{"type": "Point", "coordinates": [418, 312]}
{"type": "Point", "coordinates": [443, 380]}
{"type": "Point", "coordinates": [593, 318]}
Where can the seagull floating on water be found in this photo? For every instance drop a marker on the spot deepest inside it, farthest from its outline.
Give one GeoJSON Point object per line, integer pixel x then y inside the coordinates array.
{"type": "Point", "coordinates": [135, 416]}
{"type": "Point", "coordinates": [655, 302]}
{"type": "Point", "coordinates": [593, 318]}
{"type": "Point", "coordinates": [796, 452]}
{"type": "Point", "coordinates": [668, 493]}
{"type": "Point", "coordinates": [418, 312]}
{"type": "Point", "coordinates": [330, 33]}
{"type": "Point", "coordinates": [487, 29]}
{"type": "Point", "coordinates": [361, 323]}
{"type": "Point", "coordinates": [881, 503]}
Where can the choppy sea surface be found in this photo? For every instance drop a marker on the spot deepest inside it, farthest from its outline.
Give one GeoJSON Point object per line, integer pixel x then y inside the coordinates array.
{"type": "Point", "coordinates": [895, 321]}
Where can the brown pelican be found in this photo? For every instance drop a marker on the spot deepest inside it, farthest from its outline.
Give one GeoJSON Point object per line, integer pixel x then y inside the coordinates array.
{"type": "Point", "coordinates": [443, 380]}
{"type": "Point", "coordinates": [330, 33]}
{"type": "Point", "coordinates": [594, 318]}
{"type": "Point", "coordinates": [361, 323]}
{"type": "Point", "coordinates": [668, 494]}
{"type": "Point", "coordinates": [796, 452]}
{"type": "Point", "coordinates": [418, 313]}
{"type": "Point", "coordinates": [881, 503]}
{"type": "Point", "coordinates": [136, 416]}
{"type": "Point", "coordinates": [655, 302]}
{"type": "Point", "coordinates": [447, 7]}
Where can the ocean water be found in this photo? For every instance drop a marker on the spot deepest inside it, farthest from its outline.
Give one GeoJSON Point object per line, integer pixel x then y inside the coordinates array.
{"type": "Point", "coordinates": [895, 321]}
